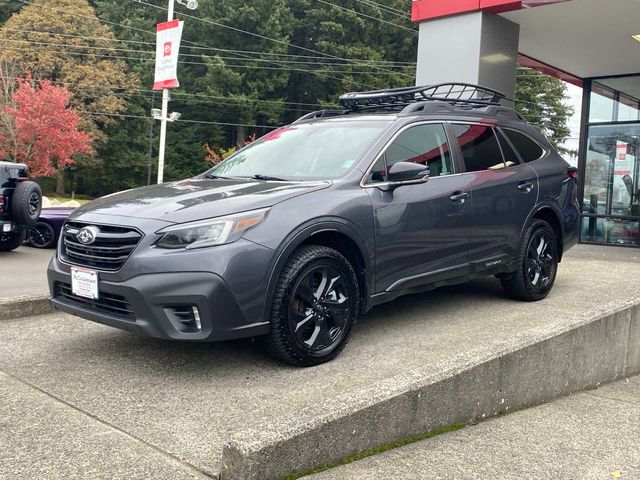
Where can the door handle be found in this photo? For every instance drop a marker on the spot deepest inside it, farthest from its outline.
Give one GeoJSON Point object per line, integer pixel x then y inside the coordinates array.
{"type": "Point", "coordinates": [459, 197]}
{"type": "Point", "coordinates": [525, 187]}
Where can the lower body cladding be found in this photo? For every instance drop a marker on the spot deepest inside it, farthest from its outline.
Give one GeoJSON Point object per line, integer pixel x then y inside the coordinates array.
{"type": "Point", "coordinates": [177, 305]}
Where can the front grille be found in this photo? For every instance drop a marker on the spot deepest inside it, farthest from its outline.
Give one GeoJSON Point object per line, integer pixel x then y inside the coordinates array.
{"type": "Point", "coordinates": [109, 251]}
{"type": "Point", "coordinates": [107, 303]}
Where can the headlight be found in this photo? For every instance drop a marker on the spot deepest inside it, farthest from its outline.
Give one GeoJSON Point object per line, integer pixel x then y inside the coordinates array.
{"type": "Point", "coordinates": [206, 233]}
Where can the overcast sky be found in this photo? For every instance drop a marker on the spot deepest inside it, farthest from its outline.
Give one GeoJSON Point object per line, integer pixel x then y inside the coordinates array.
{"type": "Point", "coordinates": [574, 98]}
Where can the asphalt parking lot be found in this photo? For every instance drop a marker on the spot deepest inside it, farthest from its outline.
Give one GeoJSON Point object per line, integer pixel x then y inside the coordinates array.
{"type": "Point", "coordinates": [23, 271]}
{"type": "Point", "coordinates": [86, 401]}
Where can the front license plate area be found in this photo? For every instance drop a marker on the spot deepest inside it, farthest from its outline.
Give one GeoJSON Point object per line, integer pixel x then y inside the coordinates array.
{"type": "Point", "coordinates": [84, 283]}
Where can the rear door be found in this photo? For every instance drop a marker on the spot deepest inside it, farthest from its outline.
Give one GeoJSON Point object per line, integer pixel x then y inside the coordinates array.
{"type": "Point", "coordinates": [503, 193]}
{"type": "Point", "coordinates": [422, 231]}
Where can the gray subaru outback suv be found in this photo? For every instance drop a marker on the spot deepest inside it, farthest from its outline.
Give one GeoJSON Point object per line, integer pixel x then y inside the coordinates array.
{"type": "Point", "coordinates": [296, 235]}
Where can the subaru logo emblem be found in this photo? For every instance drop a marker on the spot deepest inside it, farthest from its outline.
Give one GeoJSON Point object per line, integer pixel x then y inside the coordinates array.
{"type": "Point", "coordinates": [87, 235]}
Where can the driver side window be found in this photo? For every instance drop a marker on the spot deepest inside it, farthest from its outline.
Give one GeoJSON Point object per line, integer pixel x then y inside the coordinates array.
{"type": "Point", "coordinates": [424, 144]}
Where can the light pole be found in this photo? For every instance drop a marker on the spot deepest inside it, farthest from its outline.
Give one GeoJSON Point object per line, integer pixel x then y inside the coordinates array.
{"type": "Point", "coordinates": [162, 115]}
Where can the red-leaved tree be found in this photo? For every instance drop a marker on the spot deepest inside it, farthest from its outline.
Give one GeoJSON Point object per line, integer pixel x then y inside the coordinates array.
{"type": "Point", "coordinates": [46, 132]}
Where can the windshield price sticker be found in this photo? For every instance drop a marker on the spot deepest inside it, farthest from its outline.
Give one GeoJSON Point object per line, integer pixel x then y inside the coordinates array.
{"type": "Point", "coordinates": [84, 283]}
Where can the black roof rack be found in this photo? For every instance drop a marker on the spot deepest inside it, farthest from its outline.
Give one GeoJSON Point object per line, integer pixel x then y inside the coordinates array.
{"type": "Point", "coordinates": [322, 114]}
{"type": "Point", "coordinates": [456, 94]}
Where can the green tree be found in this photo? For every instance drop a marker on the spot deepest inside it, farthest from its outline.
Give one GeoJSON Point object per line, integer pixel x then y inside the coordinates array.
{"type": "Point", "coordinates": [540, 99]}
{"type": "Point", "coordinates": [7, 8]}
{"type": "Point", "coordinates": [64, 42]}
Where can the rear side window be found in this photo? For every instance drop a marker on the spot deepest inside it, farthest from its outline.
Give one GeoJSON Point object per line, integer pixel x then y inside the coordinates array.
{"type": "Point", "coordinates": [529, 150]}
{"type": "Point", "coordinates": [480, 148]}
{"type": "Point", "coordinates": [509, 154]}
{"type": "Point", "coordinates": [425, 144]}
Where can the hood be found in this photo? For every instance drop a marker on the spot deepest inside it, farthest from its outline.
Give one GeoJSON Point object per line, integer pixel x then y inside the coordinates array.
{"type": "Point", "coordinates": [195, 199]}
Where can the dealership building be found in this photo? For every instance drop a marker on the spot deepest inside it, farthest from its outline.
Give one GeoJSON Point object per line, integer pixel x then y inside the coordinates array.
{"type": "Point", "coordinates": [594, 44]}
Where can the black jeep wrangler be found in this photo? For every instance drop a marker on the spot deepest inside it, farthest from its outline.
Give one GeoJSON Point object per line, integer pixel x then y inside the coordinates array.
{"type": "Point", "coordinates": [20, 204]}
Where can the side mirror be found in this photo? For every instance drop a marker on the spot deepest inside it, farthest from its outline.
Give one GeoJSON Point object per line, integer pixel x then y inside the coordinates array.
{"type": "Point", "coordinates": [407, 173]}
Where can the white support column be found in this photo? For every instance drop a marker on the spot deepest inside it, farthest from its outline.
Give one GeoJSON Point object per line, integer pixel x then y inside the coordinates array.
{"type": "Point", "coordinates": [477, 47]}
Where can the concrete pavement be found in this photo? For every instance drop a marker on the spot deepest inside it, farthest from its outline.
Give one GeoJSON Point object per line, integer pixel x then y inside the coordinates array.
{"type": "Point", "coordinates": [186, 401]}
{"type": "Point", "coordinates": [594, 435]}
{"type": "Point", "coordinates": [23, 271]}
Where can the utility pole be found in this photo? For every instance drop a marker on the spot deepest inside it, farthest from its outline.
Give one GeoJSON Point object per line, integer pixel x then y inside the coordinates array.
{"type": "Point", "coordinates": [150, 152]}
{"type": "Point", "coordinates": [162, 115]}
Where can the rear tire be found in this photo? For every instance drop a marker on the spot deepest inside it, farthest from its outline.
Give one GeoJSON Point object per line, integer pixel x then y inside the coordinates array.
{"type": "Point", "coordinates": [11, 241]}
{"type": "Point", "coordinates": [314, 306]}
{"type": "Point", "coordinates": [26, 203]}
{"type": "Point", "coordinates": [537, 264]}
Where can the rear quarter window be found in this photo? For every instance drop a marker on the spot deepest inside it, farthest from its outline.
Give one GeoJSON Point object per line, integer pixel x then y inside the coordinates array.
{"type": "Point", "coordinates": [529, 150]}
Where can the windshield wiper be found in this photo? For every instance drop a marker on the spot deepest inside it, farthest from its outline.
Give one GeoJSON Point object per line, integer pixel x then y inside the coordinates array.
{"type": "Point", "coordinates": [212, 176]}
{"type": "Point", "coordinates": [259, 176]}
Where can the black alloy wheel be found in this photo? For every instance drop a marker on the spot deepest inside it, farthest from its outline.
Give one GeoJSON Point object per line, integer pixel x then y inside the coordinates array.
{"type": "Point", "coordinates": [34, 204]}
{"type": "Point", "coordinates": [41, 235]}
{"type": "Point", "coordinates": [320, 308]}
{"type": "Point", "coordinates": [537, 264]}
{"type": "Point", "coordinates": [540, 261]}
{"type": "Point", "coordinates": [315, 305]}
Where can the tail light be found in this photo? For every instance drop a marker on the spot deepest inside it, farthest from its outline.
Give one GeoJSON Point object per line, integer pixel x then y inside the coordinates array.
{"type": "Point", "coordinates": [573, 172]}
{"type": "Point", "coordinates": [2, 203]}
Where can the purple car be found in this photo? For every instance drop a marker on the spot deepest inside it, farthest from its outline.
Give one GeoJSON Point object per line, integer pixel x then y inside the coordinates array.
{"type": "Point", "coordinates": [45, 233]}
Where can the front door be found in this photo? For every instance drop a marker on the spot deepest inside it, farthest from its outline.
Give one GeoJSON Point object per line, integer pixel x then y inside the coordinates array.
{"type": "Point", "coordinates": [422, 230]}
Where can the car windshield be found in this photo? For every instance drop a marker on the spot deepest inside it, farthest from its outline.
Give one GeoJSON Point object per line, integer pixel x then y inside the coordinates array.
{"type": "Point", "coordinates": [314, 150]}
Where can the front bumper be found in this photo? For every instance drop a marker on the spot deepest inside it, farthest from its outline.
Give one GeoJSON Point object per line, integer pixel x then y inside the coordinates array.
{"type": "Point", "coordinates": [227, 285]}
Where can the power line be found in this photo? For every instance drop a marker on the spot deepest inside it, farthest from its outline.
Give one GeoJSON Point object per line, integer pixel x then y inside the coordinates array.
{"type": "Point", "coordinates": [351, 10]}
{"type": "Point", "coordinates": [201, 45]}
{"type": "Point", "coordinates": [151, 33]}
{"type": "Point", "coordinates": [197, 47]}
{"type": "Point", "coordinates": [198, 95]}
{"type": "Point", "coordinates": [152, 52]}
{"type": "Point", "coordinates": [124, 115]}
{"type": "Point", "coordinates": [263, 37]}
{"type": "Point", "coordinates": [321, 73]}
{"type": "Point", "coordinates": [388, 8]}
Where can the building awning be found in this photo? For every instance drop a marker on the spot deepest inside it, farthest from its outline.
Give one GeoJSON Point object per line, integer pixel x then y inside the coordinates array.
{"type": "Point", "coordinates": [584, 38]}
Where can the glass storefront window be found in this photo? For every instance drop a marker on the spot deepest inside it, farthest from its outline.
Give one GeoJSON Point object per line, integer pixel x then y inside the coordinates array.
{"type": "Point", "coordinates": [615, 100]}
{"type": "Point", "coordinates": [629, 109]}
{"type": "Point", "coordinates": [602, 104]}
{"type": "Point", "coordinates": [611, 230]}
{"type": "Point", "coordinates": [612, 170]}
{"type": "Point", "coordinates": [610, 163]}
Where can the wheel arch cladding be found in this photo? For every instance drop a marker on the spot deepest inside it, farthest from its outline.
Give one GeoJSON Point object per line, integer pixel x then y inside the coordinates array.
{"type": "Point", "coordinates": [349, 249]}
{"type": "Point", "coordinates": [551, 217]}
{"type": "Point", "coordinates": [329, 234]}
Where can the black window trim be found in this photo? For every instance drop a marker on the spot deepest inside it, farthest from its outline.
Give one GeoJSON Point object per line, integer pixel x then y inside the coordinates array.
{"type": "Point", "coordinates": [364, 183]}
{"type": "Point", "coordinates": [545, 151]}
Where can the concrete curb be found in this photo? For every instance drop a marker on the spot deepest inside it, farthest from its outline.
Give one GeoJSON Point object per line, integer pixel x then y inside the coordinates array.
{"type": "Point", "coordinates": [24, 306]}
{"type": "Point", "coordinates": [598, 347]}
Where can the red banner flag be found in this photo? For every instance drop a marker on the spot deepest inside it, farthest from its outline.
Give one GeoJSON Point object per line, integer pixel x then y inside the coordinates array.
{"type": "Point", "coordinates": [167, 46]}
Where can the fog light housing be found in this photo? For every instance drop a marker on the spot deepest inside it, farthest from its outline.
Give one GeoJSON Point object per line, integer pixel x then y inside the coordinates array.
{"type": "Point", "coordinates": [184, 318]}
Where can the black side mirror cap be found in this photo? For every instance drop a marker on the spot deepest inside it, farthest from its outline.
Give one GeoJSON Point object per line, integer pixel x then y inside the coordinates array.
{"type": "Point", "coordinates": [406, 173]}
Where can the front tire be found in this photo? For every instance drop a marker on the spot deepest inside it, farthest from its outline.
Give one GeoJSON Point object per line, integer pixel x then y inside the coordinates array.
{"type": "Point", "coordinates": [11, 241]}
{"type": "Point", "coordinates": [537, 264]}
{"type": "Point", "coordinates": [315, 304]}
